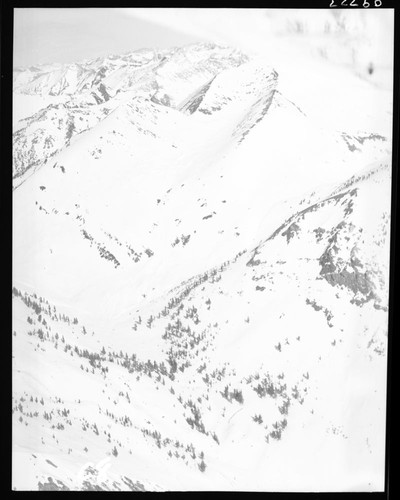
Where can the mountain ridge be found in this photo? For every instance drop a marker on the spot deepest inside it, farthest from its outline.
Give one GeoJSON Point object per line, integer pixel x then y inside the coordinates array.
{"type": "Point", "coordinates": [200, 283]}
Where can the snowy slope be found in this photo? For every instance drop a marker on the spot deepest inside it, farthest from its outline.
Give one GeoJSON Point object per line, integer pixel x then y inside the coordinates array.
{"type": "Point", "coordinates": [200, 280]}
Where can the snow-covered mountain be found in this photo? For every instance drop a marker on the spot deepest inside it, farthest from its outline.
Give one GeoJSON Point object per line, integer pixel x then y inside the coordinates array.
{"type": "Point", "coordinates": [200, 278]}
